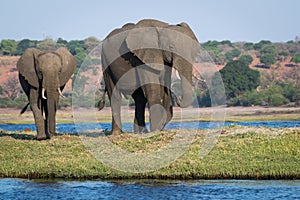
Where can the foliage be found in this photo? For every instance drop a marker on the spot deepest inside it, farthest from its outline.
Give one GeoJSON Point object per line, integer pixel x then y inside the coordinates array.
{"type": "Point", "coordinates": [296, 58]}
{"type": "Point", "coordinates": [238, 78]}
{"type": "Point", "coordinates": [62, 41]}
{"type": "Point", "coordinates": [8, 47]}
{"type": "Point", "coordinates": [268, 59]}
{"type": "Point", "coordinates": [248, 46]}
{"type": "Point", "coordinates": [75, 44]}
{"type": "Point", "coordinates": [273, 96]}
{"type": "Point", "coordinates": [283, 53]}
{"type": "Point", "coordinates": [271, 49]}
{"type": "Point", "coordinates": [47, 45]}
{"type": "Point", "coordinates": [247, 59]}
{"type": "Point", "coordinates": [90, 43]}
{"type": "Point", "coordinates": [232, 54]}
{"type": "Point", "coordinates": [18, 102]}
{"type": "Point", "coordinates": [24, 44]}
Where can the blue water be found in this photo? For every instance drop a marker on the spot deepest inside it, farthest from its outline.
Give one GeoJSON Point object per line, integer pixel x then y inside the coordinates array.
{"type": "Point", "coordinates": [71, 128]}
{"type": "Point", "coordinates": [149, 189]}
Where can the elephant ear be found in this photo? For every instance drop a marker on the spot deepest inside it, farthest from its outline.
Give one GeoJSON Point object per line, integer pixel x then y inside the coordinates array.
{"type": "Point", "coordinates": [180, 40]}
{"type": "Point", "coordinates": [143, 43]}
{"type": "Point", "coordinates": [26, 66]}
{"type": "Point", "coordinates": [68, 65]}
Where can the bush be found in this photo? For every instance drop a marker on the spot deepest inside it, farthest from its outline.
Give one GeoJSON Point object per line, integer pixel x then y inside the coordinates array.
{"type": "Point", "coordinates": [268, 59]}
{"type": "Point", "coordinates": [247, 59]}
{"type": "Point", "coordinates": [19, 102]}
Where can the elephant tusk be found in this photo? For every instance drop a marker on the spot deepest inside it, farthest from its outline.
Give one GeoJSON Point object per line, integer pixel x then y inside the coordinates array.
{"type": "Point", "coordinates": [43, 93]}
{"type": "Point", "coordinates": [60, 93]}
{"type": "Point", "coordinates": [198, 78]}
{"type": "Point", "coordinates": [177, 75]}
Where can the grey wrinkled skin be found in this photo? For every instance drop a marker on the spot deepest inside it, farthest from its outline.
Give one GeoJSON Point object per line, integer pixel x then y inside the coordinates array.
{"type": "Point", "coordinates": [49, 71]}
{"type": "Point", "coordinates": [138, 59]}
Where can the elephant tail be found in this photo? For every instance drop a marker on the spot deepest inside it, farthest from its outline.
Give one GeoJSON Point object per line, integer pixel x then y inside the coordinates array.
{"type": "Point", "coordinates": [101, 102]}
{"type": "Point", "coordinates": [24, 109]}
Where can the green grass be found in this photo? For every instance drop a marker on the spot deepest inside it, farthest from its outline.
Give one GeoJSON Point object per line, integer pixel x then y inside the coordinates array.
{"type": "Point", "coordinates": [240, 153]}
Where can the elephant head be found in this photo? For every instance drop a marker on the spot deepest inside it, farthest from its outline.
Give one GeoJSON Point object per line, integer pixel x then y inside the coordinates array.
{"type": "Point", "coordinates": [156, 43]}
{"type": "Point", "coordinates": [45, 73]}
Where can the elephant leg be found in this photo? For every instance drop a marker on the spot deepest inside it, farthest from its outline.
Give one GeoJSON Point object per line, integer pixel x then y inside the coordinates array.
{"type": "Point", "coordinates": [115, 103]}
{"type": "Point", "coordinates": [37, 114]}
{"type": "Point", "coordinates": [158, 114]}
{"type": "Point", "coordinates": [167, 103]}
{"type": "Point", "coordinates": [116, 114]}
{"type": "Point", "coordinates": [46, 121]}
{"type": "Point", "coordinates": [139, 118]}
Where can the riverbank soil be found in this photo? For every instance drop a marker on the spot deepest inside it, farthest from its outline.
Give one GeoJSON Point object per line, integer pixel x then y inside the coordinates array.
{"type": "Point", "coordinates": [234, 114]}
{"type": "Point", "coordinates": [239, 153]}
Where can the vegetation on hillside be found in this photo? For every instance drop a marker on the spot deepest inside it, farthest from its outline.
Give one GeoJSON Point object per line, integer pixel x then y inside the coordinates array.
{"type": "Point", "coordinates": [246, 82]}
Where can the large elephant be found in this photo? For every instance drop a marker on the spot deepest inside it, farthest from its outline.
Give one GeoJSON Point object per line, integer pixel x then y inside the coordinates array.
{"type": "Point", "coordinates": [43, 76]}
{"type": "Point", "coordinates": [137, 60]}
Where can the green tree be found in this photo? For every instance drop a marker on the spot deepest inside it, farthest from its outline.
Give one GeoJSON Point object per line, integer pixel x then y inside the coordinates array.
{"type": "Point", "coordinates": [8, 47]}
{"type": "Point", "coordinates": [261, 44]}
{"type": "Point", "coordinates": [247, 59]}
{"type": "Point", "coordinates": [232, 54]}
{"type": "Point", "coordinates": [61, 41]}
{"type": "Point", "coordinates": [271, 49]}
{"type": "Point", "coordinates": [226, 42]}
{"type": "Point", "coordinates": [296, 58]}
{"type": "Point", "coordinates": [282, 55]}
{"type": "Point", "coordinates": [73, 44]}
{"type": "Point", "coordinates": [24, 44]}
{"type": "Point", "coordinates": [238, 78]}
{"type": "Point", "coordinates": [248, 46]}
{"type": "Point", "coordinates": [268, 59]}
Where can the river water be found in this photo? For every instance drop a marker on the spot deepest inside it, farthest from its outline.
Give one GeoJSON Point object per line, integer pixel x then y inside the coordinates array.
{"type": "Point", "coordinates": [71, 128]}
{"type": "Point", "coordinates": [149, 189]}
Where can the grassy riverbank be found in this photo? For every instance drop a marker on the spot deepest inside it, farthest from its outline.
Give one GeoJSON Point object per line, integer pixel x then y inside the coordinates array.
{"type": "Point", "coordinates": [240, 153]}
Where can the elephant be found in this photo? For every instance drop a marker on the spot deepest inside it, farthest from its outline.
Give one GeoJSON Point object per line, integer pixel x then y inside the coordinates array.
{"type": "Point", "coordinates": [43, 76]}
{"type": "Point", "coordinates": [137, 60]}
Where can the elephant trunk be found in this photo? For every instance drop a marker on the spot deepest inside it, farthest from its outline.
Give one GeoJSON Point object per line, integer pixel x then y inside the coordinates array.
{"type": "Point", "coordinates": [185, 73]}
{"type": "Point", "coordinates": [52, 92]}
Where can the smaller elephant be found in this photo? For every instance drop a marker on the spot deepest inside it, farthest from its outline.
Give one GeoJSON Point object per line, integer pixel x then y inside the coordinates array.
{"type": "Point", "coordinates": [43, 76]}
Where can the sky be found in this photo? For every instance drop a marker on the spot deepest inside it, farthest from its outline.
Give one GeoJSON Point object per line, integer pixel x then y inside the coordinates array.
{"type": "Point", "coordinates": [234, 20]}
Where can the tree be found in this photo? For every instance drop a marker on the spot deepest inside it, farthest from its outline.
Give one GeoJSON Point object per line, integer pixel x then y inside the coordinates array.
{"type": "Point", "coordinates": [268, 59]}
{"type": "Point", "coordinates": [8, 47]}
{"type": "Point", "coordinates": [271, 49]}
{"type": "Point", "coordinates": [296, 58]}
{"type": "Point", "coordinates": [248, 46]}
{"type": "Point", "coordinates": [239, 78]}
{"type": "Point", "coordinates": [73, 44]}
{"type": "Point", "coordinates": [283, 55]}
{"type": "Point", "coordinates": [259, 46]}
{"type": "Point", "coordinates": [247, 59]}
{"type": "Point", "coordinates": [11, 87]}
{"type": "Point", "coordinates": [47, 45]}
{"type": "Point", "coordinates": [232, 54]}
{"type": "Point", "coordinates": [61, 41]}
{"type": "Point", "coordinates": [90, 43]}
{"type": "Point", "coordinates": [24, 44]}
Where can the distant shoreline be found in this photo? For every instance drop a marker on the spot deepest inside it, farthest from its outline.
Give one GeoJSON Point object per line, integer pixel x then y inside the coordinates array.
{"type": "Point", "coordinates": [231, 114]}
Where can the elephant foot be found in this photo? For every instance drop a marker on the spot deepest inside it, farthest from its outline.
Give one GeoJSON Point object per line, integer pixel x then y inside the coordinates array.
{"type": "Point", "coordinates": [141, 130]}
{"type": "Point", "coordinates": [116, 132]}
{"type": "Point", "coordinates": [42, 137]}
